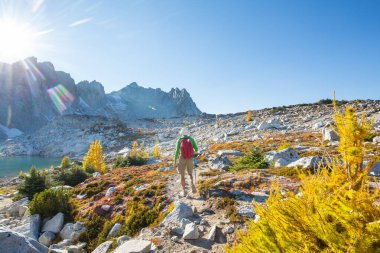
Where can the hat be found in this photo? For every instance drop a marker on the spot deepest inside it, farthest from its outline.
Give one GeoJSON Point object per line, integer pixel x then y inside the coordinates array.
{"type": "Point", "coordinates": [184, 131]}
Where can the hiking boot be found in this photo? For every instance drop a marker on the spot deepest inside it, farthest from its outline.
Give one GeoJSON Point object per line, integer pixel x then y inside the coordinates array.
{"type": "Point", "coordinates": [193, 188]}
{"type": "Point", "coordinates": [184, 194]}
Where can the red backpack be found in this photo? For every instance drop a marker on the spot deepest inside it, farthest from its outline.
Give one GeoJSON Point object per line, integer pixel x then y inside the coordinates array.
{"type": "Point", "coordinates": [187, 150]}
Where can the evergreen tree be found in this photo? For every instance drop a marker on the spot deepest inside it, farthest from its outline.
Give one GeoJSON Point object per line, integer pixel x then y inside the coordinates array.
{"type": "Point", "coordinates": [34, 183]}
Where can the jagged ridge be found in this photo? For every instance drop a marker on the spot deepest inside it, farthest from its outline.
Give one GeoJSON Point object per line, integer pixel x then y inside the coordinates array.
{"type": "Point", "coordinates": [26, 104]}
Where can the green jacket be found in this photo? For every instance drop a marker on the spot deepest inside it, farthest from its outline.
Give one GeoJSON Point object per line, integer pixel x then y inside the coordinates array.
{"type": "Point", "coordinates": [177, 151]}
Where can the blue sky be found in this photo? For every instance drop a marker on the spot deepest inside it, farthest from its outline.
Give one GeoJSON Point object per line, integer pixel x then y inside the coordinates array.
{"type": "Point", "coordinates": [230, 55]}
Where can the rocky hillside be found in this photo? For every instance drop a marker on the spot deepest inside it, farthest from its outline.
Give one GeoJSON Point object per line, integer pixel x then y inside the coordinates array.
{"type": "Point", "coordinates": [139, 208]}
{"type": "Point", "coordinates": [33, 93]}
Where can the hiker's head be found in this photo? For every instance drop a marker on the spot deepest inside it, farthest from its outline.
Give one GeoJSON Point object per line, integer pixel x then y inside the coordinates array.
{"type": "Point", "coordinates": [184, 131]}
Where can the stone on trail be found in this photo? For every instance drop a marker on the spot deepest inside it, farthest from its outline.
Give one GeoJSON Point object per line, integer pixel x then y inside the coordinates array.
{"type": "Point", "coordinates": [54, 224]}
{"type": "Point", "coordinates": [376, 139]}
{"type": "Point", "coordinates": [10, 239]}
{"type": "Point", "coordinates": [177, 230]}
{"type": "Point", "coordinates": [103, 248]}
{"type": "Point", "coordinates": [134, 246]}
{"type": "Point", "coordinates": [191, 232]}
{"type": "Point", "coordinates": [181, 210]}
{"type": "Point", "coordinates": [212, 233]}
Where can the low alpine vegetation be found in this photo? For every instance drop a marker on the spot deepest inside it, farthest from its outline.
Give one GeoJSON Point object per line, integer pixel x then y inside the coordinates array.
{"type": "Point", "coordinates": [50, 202]}
{"type": "Point", "coordinates": [254, 160]}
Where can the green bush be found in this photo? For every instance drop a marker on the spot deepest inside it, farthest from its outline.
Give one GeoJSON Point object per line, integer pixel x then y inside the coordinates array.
{"type": "Point", "coordinates": [34, 183]}
{"type": "Point", "coordinates": [94, 227]}
{"type": "Point", "coordinates": [94, 188]}
{"type": "Point", "coordinates": [370, 137]}
{"type": "Point", "coordinates": [50, 202]}
{"type": "Point", "coordinates": [254, 160]}
{"type": "Point", "coordinates": [73, 176]}
{"type": "Point", "coordinates": [139, 216]}
{"type": "Point", "coordinates": [135, 160]}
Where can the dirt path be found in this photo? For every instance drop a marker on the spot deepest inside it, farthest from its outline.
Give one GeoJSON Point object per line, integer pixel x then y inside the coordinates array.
{"type": "Point", "coordinates": [209, 218]}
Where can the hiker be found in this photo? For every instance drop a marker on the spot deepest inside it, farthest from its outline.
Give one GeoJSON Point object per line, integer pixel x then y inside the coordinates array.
{"type": "Point", "coordinates": [186, 147]}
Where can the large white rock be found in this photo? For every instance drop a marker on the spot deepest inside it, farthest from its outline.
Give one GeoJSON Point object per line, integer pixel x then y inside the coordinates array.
{"type": "Point", "coordinates": [72, 231]}
{"type": "Point", "coordinates": [35, 225]}
{"type": "Point", "coordinates": [376, 139]}
{"type": "Point", "coordinates": [13, 209]}
{"type": "Point", "coordinates": [281, 157]}
{"type": "Point", "coordinates": [270, 124]}
{"type": "Point", "coordinates": [13, 242]}
{"type": "Point", "coordinates": [110, 191]}
{"type": "Point", "coordinates": [103, 248]}
{"type": "Point", "coordinates": [47, 238]}
{"type": "Point", "coordinates": [181, 210]}
{"type": "Point", "coordinates": [221, 163]}
{"type": "Point", "coordinates": [318, 125]}
{"type": "Point", "coordinates": [230, 152]}
{"type": "Point", "coordinates": [134, 246]}
{"type": "Point", "coordinates": [307, 162]}
{"type": "Point", "coordinates": [22, 210]}
{"type": "Point", "coordinates": [329, 134]}
{"type": "Point", "coordinates": [114, 230]}
{"type": "Point", "coordinates": [54, 224]}
{"type": "Point", "coordinates": [191, 232]}
{"type": "Point", "coordinates": [212, 233]}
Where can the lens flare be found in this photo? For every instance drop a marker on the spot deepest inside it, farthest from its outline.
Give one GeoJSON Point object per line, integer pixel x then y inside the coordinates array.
{"type": "Point", "coordinates": [61, 97]}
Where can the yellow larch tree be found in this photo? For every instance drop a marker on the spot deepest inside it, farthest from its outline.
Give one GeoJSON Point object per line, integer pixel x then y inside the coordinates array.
{"type": "Point", "coordinates": [156, 150]}
{"type": "Point", "coordinates": [248, 118]}
{"type": "Point", "coordinates": [94, 158]}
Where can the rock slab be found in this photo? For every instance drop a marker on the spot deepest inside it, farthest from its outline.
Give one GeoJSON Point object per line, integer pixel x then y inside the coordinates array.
{"type": "Point", "coordinates": [9, 239]}
{"type": "Point", "coordinates": [54, 224]}
{"type": "Point", "coordinates": [134, 246]}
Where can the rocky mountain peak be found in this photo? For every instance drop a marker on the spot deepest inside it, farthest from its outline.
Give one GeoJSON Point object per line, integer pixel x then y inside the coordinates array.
{"type": "Point", "coordinates": [32, 93]}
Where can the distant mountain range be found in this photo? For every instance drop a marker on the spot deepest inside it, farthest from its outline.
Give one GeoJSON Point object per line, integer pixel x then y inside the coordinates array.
{"type": "Point", "coordinates": [33, 93]}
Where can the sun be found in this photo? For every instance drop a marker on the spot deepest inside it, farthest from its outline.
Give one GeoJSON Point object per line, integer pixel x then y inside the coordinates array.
{"type": "Point", "coordinates": [17, 40]}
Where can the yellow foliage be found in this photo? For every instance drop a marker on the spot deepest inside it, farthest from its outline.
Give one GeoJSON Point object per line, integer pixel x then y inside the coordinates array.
{"type": "Point", "coordinates": [94, 158]}
{"type": "Point", "coordinates": [249, 116]}
{"type": "Point", "coordinates": [283, 146]}
{"type": "Point", "coordinates": [156, 150]}
{"type": "Point", "coordinates": [352, 131]}
{"type": "Point", "coordinates": [142, 151]}
{"type": "Point", "coordinates": [335, 211]}
{"type": "Point", "coordinates": [65, 163]}
{"type": "Point", "coordinates": [135, 145]}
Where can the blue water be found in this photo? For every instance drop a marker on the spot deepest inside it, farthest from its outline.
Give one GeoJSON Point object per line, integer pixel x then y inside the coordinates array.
{"type": "Point", "coordinates": [11, 166]}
